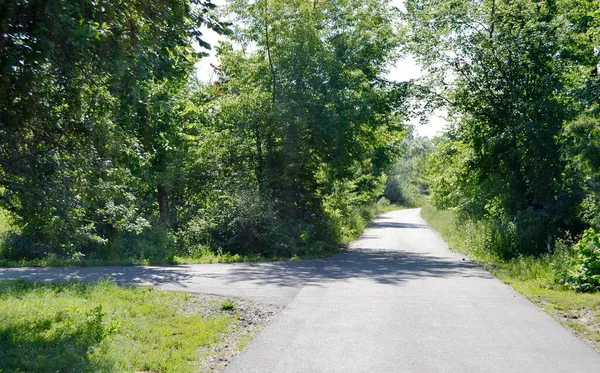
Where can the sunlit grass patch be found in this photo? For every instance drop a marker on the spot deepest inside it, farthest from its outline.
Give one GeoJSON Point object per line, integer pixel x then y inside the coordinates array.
{"type": "Point", "coordinates": [78, 327]}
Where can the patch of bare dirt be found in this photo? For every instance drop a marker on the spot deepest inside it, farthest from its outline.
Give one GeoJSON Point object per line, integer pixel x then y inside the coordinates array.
{"type": "Point", "coordinates": [585, 323]}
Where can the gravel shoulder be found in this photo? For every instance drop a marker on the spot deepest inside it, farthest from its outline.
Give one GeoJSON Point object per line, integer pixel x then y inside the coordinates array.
{"type": "Point", "coordinates": [251, 316]}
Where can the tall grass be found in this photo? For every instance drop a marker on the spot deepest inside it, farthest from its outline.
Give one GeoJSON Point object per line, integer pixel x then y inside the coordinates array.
{"type": "Point", "coordinates": [483, 243]}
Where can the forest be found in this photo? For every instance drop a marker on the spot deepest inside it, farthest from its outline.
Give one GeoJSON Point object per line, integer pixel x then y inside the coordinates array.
{"type": "Point", "coordinates": [112, 148]}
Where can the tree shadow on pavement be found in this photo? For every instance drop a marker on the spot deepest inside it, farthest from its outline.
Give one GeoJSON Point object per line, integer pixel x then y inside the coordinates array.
{"type": "Point", "coordinates": [124, 275]}
{"type": "Point", "coordinates": [381, 266]}
{"type": "Point", "coordinates": [370, 263]}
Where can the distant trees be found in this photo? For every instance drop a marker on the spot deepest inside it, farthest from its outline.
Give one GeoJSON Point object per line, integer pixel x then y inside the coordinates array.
{"type": "Point", "coordinates": [408, 181]}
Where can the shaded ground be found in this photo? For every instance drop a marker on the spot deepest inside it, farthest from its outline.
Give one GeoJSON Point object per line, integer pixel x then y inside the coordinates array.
{"type": "Point", "coordinates": [274, 282]}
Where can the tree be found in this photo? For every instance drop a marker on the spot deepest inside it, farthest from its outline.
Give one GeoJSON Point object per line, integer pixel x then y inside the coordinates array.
{"type": "Point", "coordinates": [84, 132]}
{"type": "Point", "coordinates": [498, 65]}
{"type": "Point", "coordinates": [330, 116]}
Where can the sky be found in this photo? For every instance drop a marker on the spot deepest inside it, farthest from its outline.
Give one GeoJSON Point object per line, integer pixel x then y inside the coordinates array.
{"type": "Point", "coordinates": [404, 70]}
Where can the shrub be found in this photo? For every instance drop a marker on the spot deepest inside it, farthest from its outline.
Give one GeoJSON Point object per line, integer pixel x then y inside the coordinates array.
{"type": "Point", "coordinates": [15, 246]}
{"type": "Point", "coordinates": [584, 274]}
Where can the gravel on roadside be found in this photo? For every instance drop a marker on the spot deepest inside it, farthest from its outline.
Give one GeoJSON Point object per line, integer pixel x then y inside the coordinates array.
{"type": "Point", "coordinates": [251, 318]}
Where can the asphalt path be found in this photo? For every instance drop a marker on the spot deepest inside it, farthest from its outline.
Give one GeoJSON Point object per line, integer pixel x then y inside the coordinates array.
{"type": "Point", "coordinates": [397, 301]}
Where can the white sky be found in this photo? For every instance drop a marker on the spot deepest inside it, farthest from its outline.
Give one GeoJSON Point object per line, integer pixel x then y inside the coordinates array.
{"type": "Point", "coordinates": [404, 70]}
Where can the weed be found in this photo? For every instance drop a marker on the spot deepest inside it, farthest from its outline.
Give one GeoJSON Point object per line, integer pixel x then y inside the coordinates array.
{"type": "Point", "coordinates": [227, 305]}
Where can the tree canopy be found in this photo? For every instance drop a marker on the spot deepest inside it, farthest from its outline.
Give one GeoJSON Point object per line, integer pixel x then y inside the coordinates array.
{"type": "Point", "coordinates": [520, 81]}
{"type": "Point", "coordinates": [109, 146]}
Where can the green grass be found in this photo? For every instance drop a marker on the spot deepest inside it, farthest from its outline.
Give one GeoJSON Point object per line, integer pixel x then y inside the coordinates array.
{"type": "Point", "coordinates": [53, 260]}
{"type": "Point", "coordinates": [202, 258]}
{"type": "Point", "coordinates": [534, 277]}
{"type": "Point", "coordinates": [76, 327]}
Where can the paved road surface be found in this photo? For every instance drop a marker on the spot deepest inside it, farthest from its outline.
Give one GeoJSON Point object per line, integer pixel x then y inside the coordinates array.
{"type": "Point", "coordinates": [397, 301]}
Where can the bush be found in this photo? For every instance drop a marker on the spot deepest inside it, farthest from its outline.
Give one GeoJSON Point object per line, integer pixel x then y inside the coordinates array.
{"type": "Point", "coordinates": [15, 246]}
{"type": "Point", "coordinates": [242, 223]}
{"type": "Point", "coordinates": [584, 274]}
{"type": "Point", "coordinates": [256, 228]}
{"type": "Point", "coordinates": [403, 191]}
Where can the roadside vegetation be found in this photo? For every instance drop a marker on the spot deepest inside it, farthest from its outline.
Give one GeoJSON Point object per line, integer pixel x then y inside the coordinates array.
{"type": "Point", "coordinates": [5, 225]}
{"type": "Point", "coordinates": [113, 152]}
{"type": "Point", "coordinates": [513, 181]}
{"type": "Point", "coordinates": [361, 218]}
{"type": "Point", "coordinates": [76, 327]}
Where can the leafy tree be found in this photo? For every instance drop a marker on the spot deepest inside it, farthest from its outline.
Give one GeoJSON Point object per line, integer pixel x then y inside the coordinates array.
{"type": "Point", "coordinates": [408, 181]}
{"type": "Point", "coordinates": [581, 137]}
{"type": "Point", "coordinates": [109, 146]}
{"type": "Point", "coordinates": [84, 112]}
{"type": "Point", "coordinates": [498, 65]}
{"type": "Point", "coordinates": [331, 117]}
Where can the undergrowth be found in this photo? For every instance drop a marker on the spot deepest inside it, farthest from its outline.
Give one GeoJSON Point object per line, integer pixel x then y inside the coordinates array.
{"type": "Point", "coordinates": [353, 225]}
{"type": "Point", "coordinates": [474, 239]}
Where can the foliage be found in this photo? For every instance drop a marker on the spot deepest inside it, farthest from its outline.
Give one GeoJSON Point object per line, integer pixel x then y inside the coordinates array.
{"type": "Point", "coordinates": [582, 144]}
{"type": "Point", "coordinates": [75, 327]}
{"type": "Point", "coordinates": [110, 149]}
{"type": "Point", "coordinates": [227, 305]}
{"type": "Point", "coordinates": [85, 131]}
{"type": "Point", "coordinates": [512, 74]}
{"type": "Point", "coordinates": [585, 272]}
{"type": "Point", "coordinates": [330, 118]}
{"type": "Point", "coordinates": [5, 224]}
{"type": "Point", "coordinates": [314, 123]}
{"type": "Point", "coordinates": [407, 182]}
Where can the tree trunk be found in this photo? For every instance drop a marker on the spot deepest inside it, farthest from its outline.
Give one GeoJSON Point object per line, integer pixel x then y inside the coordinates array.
{"type": "Point", "coordinates": [163, 204]}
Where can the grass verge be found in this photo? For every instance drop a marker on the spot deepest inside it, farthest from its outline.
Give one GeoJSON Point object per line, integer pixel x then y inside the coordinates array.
{"type": "Point", "coordinates": [77, 327]}
{"type": "Point", "coordinates": [203, 258]}
{"type": "Point", "coordinates": [534, 277]}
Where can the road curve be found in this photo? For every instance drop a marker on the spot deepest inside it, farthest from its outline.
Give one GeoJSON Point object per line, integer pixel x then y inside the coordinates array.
{"type": "Point", "coordinates": [397, 301]}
